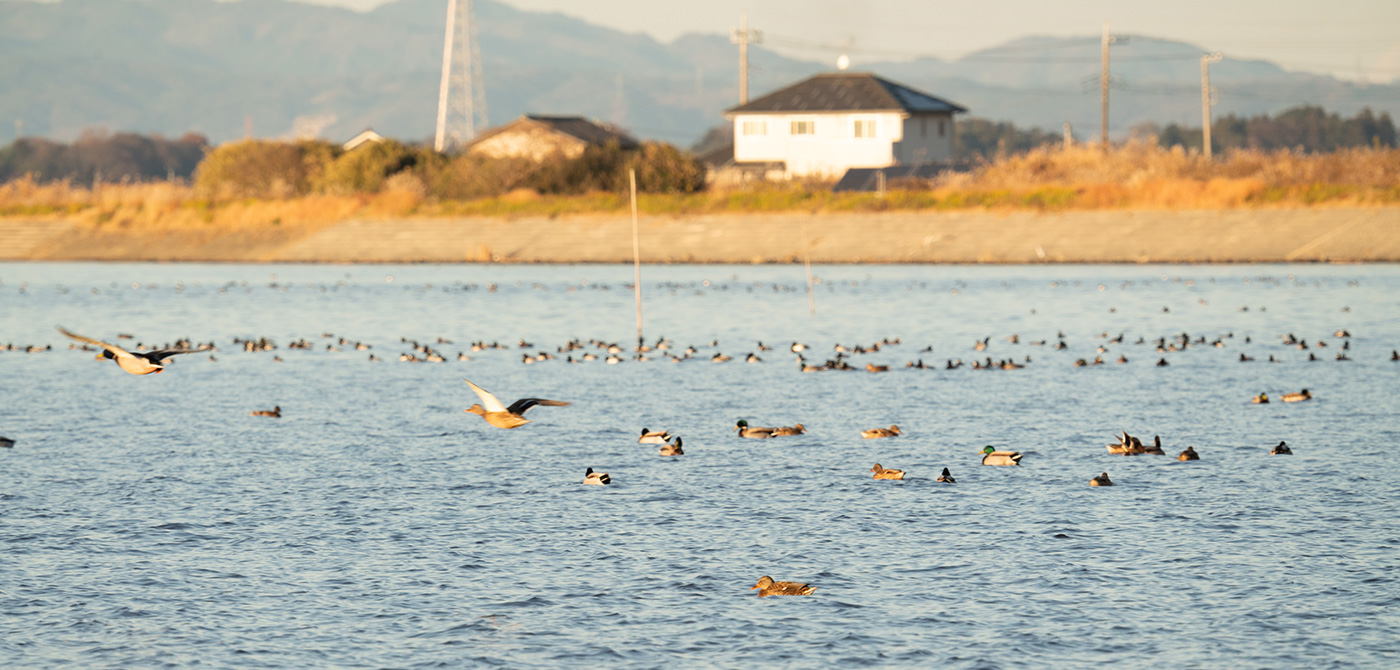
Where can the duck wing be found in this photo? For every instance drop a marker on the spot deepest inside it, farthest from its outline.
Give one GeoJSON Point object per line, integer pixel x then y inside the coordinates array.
{"type": "Point", "coordinates": [519, 406]}
{"type": "Point", "coordinates": [113, 349]}
{"type": "Point", "coordinates": [161, 354]}
{"type": "Point", "coordinates": [487, 400]}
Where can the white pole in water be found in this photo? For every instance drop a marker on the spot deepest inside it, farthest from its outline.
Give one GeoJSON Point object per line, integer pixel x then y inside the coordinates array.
{"type": "Point", "coordinates": [807, 261]}
{"type": "Point", "coordinates": [636, 258]}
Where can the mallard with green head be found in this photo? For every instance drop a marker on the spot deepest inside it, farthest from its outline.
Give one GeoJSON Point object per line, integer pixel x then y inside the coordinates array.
{"type": "Point", "coordinates": [758, 432]}
{"type": "Point", "coordinates": [990, 456]}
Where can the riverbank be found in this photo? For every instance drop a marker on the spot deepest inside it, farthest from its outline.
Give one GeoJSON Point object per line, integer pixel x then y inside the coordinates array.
{"type": "Point", "coordinates": [1360, 234]}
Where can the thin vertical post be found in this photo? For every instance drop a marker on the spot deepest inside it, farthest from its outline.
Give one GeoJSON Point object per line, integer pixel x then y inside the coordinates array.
{"type": "Point", "coordinates": [807, 261]}
{"type": "Point", "coordinates": [440, 140]}
{"type": "Point", "coordinates": [636, 258]}
{"type": "Point", "coordinates": [1206, 60]}
{"type": "Point", "coordinates": [1103, 88]}
{"type": "Point", "coordinates": [1069, 137]}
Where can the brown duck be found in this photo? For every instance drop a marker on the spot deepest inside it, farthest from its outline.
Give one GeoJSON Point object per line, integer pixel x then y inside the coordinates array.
{"type": "Point", "coordinates": [767, 587]}
{"type": "Point", "coordinates": [884, 473]}
{"type": "Point", "coordinates": [501, 416]}
{"type": "Point", "coordinates": [880, 432]}
{"type": "Point", "coordinates": [275, 412]}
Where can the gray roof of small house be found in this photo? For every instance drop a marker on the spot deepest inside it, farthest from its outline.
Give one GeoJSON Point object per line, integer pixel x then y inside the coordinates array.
{"type": "Point", "coordinates": [847, 92]}
{"type": "Point", "coordinates": [574, 126]}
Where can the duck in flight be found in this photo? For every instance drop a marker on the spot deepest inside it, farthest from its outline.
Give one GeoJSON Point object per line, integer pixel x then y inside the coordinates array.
{"type": "Point", "coordinates": [501, 416]}
{"type": "Point", "coordinates": [135, 362]}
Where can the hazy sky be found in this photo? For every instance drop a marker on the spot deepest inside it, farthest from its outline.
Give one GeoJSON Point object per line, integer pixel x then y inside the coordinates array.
{"type": "Point", "coordinates": [1353, 39]}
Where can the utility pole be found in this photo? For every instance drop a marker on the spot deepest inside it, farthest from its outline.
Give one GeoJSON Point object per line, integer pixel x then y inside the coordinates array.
{"type": "Point", "coordinates": [461, 95]}
{"type": "Point", "coordinates": [1103, 87]}
{"type": "Point", "coordinates": [1206, 60]}
{"type": "Point", "coordinates": [1069, 137]}
{"type": "Point", "coordinates": [742, 36]}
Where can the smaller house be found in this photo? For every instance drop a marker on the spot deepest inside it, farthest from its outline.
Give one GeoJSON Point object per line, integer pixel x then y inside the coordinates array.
{"type": "Point", "coordinates": [368, 135]}
{"type": "Point", "coordinates": [833, 122]}
{"type": "Point", "coordinates": [537, 137]}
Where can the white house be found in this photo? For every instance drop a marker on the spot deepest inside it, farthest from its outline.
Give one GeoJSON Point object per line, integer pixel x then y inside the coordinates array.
{"type": "Point", "coordinates": [831, 122]}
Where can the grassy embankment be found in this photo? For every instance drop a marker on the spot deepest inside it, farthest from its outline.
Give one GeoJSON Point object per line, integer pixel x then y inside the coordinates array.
{"type": "Point", "coordinates": [1083, 178]}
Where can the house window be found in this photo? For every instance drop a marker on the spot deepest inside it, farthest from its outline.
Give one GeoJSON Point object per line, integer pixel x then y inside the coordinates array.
{"type": "Point", "coordinates": [804, 127]}
{"type": "Point", "coordinates": [940, 128]}
{"type": "Point", "coordinates": [865, 129]}
{"type": "Point", "coordinates": [755, 127]}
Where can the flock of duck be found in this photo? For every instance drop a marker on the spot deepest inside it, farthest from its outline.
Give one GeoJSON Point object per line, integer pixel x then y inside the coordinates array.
{"type": "Point", "coordinates": [141, 360]}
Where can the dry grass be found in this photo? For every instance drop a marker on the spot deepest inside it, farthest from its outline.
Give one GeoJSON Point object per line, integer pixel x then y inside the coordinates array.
{"type": "Point", "coordinates": [1136, 176]}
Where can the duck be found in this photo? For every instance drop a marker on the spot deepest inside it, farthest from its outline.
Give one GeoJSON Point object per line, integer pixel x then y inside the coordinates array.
{"type": "Point", "coordinates": [1281, 449]}
{"type": "Point", "coordinates": [798, 429]}
{"type": "Point", "coordinates": [275, 412]}
{"type": "Point", "coordinates": [767, 587]}
{"type": "Point", "coordinates": [753, 358]}
{"type": "Point", "coordinates": [1189, 455]}
{"type": "Point", "coordinates": [1127, 446]}
{"type": "Point", "coordinates": [884, 473]}
{"type": "Point", "coordinates": [1101, 480]}
{"type": "Point", "coordinates": [596, 478]}
{"type": "Point", "coordinates": [1297, 397]}
{"type": "Point", "coordinates": [501, 416]}
{"type": "Point", "coordinates": [947, 477]}
{"type": "Point", "coordinates": [993, 457]}
{"type": "Point", "coordinates": [1156, 448]}
{"type": "Point", "coordinates": [880, 432]}
{"type": "Point", "coordinates": [654, 437]}
{"type": "Point", "coordinates": [870, 367]}
{"type": "Point", "coordinates": [758, 432]}
{"type": "Point", "coordinates": [673, 449]}
{"type": "Point", "coordinates": [136, 363]}
{"type": "Point", "coordinates": [6, 443]}
{"type": "Point", "coordinates": [1261, 399]}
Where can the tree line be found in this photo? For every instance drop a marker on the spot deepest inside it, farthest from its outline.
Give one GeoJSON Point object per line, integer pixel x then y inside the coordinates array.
{"type": "Point", "coordinates": [98, 156]}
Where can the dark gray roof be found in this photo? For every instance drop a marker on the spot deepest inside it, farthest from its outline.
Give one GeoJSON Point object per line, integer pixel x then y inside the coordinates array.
{"type": "Point", "coordinates": [847, 92]}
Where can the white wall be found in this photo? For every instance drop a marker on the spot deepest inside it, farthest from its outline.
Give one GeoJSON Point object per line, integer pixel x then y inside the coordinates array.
{"type": "Point", "coordinates": [829, 151]}
{"type": "Point", "coordinates": [923, 142]}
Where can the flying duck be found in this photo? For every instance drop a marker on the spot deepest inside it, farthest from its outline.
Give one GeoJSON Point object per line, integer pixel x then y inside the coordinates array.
{"type": "Point", "coordinates": [501, 416]}
{"type": "Point", "coordinates": [137, 363]}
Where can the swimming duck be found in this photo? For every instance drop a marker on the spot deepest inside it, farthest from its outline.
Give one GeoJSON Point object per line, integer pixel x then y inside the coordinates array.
{"type": "Point", "coordinates": [789, 430]}
{"type": "Point", "coordinates": [1156, 448]}
{"type": "Point", "coordinates": [946, 477]}
{"type": "Point", "coordinates": [1189, 455]}
{"type": "Point", "coordinates": [1297, 397]}
{"type": "Point", "coordinates": [137, 363]}
{"type": "Point", "coordinates": [501, 416]}
{"type": "Point", "coordinates": [654, 437]}
{"type": "Point", "coordinates": [767, 587]}
{"type": "Point", "coordinates": [880, 432]}
{"type": "Point", "coordinates": [1127, 446]}
{"type": "Point", "coordinates": [876, 368]}
{"type": "Point", "coordinates": [883, 473]}
{"type": "Point", "coordinates": [1261, 399]}
{"type": "Point", "coordinates": [6, 443]}
{"type": "Point", "coordinates": [993, 457]}
{"type": "Point", "coordinates": [1281, 449]}
{"type": "Point", "coordinates": [1101, 480]}
{"type": "Point", "coordinates": [275, 412]}
{"type": "Point", "coordinates": [672, 449]}
{"type": "Point", "coordinates": [759, 432]}
{"type": "Point", "coordinates": [596, 478]}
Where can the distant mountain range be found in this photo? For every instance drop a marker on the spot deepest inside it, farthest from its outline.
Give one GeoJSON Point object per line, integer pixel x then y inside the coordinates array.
{"type": "Point", "coordinates": [172, 66]}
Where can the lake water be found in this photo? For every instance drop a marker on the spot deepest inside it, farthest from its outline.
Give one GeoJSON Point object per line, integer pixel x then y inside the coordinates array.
{"type": "Point", "coordinates": [151, 522]}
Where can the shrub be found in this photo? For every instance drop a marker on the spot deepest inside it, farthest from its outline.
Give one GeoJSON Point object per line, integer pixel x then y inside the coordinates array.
{"type": "Point", "coordinates": [364, 169]}
{"type": "Point", "coordinates": [263, 169]}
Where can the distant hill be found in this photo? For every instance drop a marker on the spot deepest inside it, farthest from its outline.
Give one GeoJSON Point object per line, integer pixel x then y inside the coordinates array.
{"type": "Point", "coordinates": [172, 66]}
